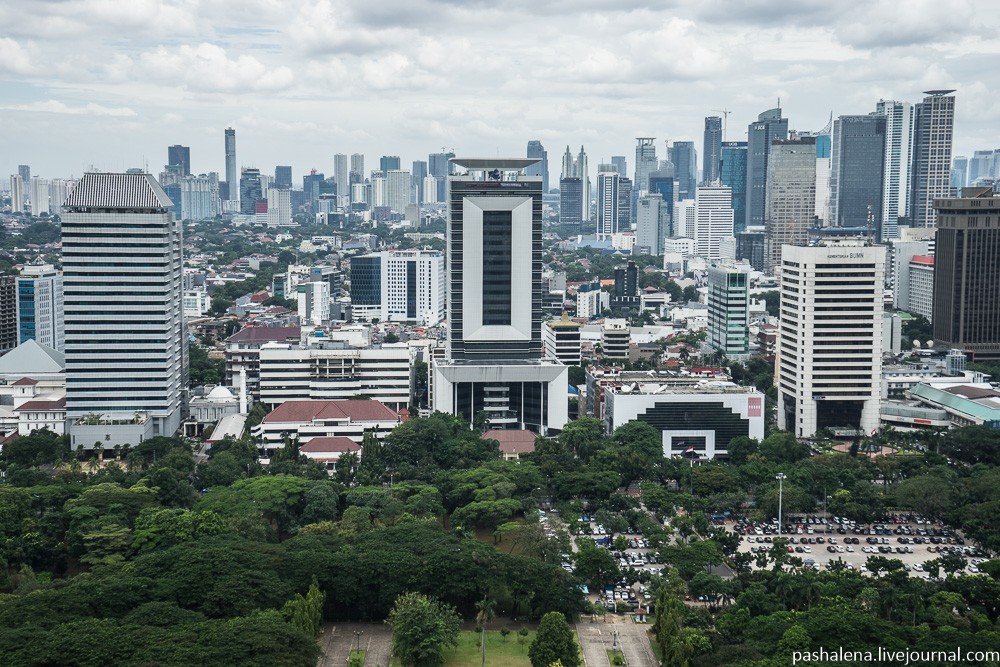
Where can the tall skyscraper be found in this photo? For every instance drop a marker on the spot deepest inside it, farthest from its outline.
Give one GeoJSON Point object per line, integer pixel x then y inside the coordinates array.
{"type": "Point", "coordinates": [645, 162]}
{"type": "Point", "coordinates": [967, 272]}
{"type": "Point", "coordinates": [8, 312]}
{"type": "Point", "coordinates": [625, 193]}
{"type": "Point", "coordinates": [570, 201]}
{"type": "Point", "coordinates": [830, 340]}
{"type": "Point", "coordinates": [232, 173]}
{"type": "Point", "coordinates": [933, 121]}
{"type": "Point", "coordinates": [711, 153]}
{"type": "Point", "coordinates": [824, 170]}
{"type": "Point", "coordinates": [283, 177]}
{"type": "Point", "coordinates": [180, 156]}
{"type": "Point", "coordinates": [388, 163]}
{"type": "Point", "coordinates": [760, 136]}
{"type": "Point", "coordinates": [125, 339]}
{"type": "Point", "coordinates": [649, 223]}
{"type": "Point", "coordinates": [713, 219]}
{"type": "Point", "coordinates": [358, 165]}
{"type": "Point", "coordinates": [199, 197]}
{"type": "Point", "coordinates": [685, 160]}
{"type": "Point", "coordinates": [439, 166]}
{"type": "Point", "coordinates": [982, 165]}
{"type": "Point", "coordinates": [397, 190]}
{"type": "Point", "coordinates": [342, 173]}
{"type": "Point", "coordinates": [577, 168]}
{"type": "Point", "coordinates": [417, 176]}
{"type": "Point", "coordinates": [790, 200]}
{"type": "Point", "coordinates": [24, 171]}
{"type": "Point", "coordinates": [493, 365]}
{"type": "Point", "coordinates": [608, 209]}
{"type": "Point", "coordinates": [729, 310]}
{"type": "Point", "coordinates": [16, 194]}
{"type": "Point", "coordinates": [59, 190]}
{"type": "Point", "coordinates": [898, 156]}
{"type": "Point", "coordinates": [40, 305]}
{"type": "Point", "coordinates": [662, 182]}
{"type": "Point", "coordinates": [857, 168]}
{"type": "Point", "coordinates": [733, 173]}
{"type": "Point", "coordinates": [620, 164]}
{"type": "Point", "coordinates": [38, 194]}
{"type": "Point", "coordinates": [583, 173]}
{"type": "Point", "coordinates": [250, 191]}
{"type": "Point", "coordinates": [541, 168]}
{"type": "Point", "coordinates": [959, 172]}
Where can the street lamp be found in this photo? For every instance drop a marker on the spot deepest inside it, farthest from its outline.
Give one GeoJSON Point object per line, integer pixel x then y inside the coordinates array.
{"type": "Point", "coordinates": [781, 479]}
{"type": "Point", "coordinates": [357, 637]}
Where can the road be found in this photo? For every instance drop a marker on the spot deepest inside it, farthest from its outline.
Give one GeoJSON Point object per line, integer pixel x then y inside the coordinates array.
{"type": "Point", "coordinates": [597, 638]}
{"type": "Point", "coordinates": [338, 639]}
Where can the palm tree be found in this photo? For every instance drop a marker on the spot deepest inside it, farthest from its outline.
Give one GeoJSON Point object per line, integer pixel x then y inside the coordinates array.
{"type": "Point", "coordinates": [486, 612]}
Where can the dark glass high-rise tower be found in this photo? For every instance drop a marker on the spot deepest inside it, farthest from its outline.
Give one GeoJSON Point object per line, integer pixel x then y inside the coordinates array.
{"type": "Point", "coordinates": [760, 135]}
{"type": "Point", "coordinates": [232, 174]}
{"type": "Point", "coordinates": [733, 174]}
{"type": "Point", "coordinates": [856, 173]}
{"type": "Point", "coordinates": [541, 168]}
{"type": "Point", "coordinates": [685, 159]}
{"type": "Point", "coordinates": [711, 153]}
{"type": "Point", "coordinates": [180, 155]}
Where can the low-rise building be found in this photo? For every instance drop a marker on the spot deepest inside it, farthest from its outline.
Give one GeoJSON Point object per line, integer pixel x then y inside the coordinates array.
{"type": "Point", "coordinates": [513, 442]}
{"type": "Point", "coordinates": [304, 420]}
{"type": "Point", "coordinates": [702, 418]}
{"type": "Point", "coordinates": [38, 414]}
{"type": "Point", "coordinates": [967, 404]}
{"type": "Point", "coordinates": [562, 340]}
{"type": "Point", "coordinates": [243, 353]}
{"type": "Point", "coordinates": [615, 339]}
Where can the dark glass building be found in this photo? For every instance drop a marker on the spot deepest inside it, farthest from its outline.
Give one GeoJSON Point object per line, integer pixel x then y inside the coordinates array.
{"type": "Point", "coordinates": [760, 135]}
{"type": "Point", "coordinates": [733, 174]}
{"type": "Point", "coordinates": [181, 156]}
{"type": "Point", "coordinates": [570, 201]}
{"type": "Point", "coordinates": [283, 177]}
{"type": "Point", "coordinates": [967, 273]}
{"type": "Point", "coordinates": [541, 168]}
{"type": "Point", "coordinates": [366, 280]}
{"type": "Point", "coordinates": [685, 159]}
{"type": "Point", "coordinates": [711, 154]}
{"type": "Point", "coordinates": [857, 167]}
{"type": "Point", "coordinates": [250, 191]}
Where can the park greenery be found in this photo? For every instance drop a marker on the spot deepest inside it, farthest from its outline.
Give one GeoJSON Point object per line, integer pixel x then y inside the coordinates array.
{"type": "Point", "coordinates": [151, 558]}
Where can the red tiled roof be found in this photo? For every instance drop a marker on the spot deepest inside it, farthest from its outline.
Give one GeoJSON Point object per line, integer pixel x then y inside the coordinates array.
{"type": "Point", "coordinates": [43, 406]}
{"type": "Point", "coordinates": [330, 444]}
{"type": "Point", "coordinates": [512, 441]}
{"type": "Point", "coordinates": [307, 411]}
{"type": "Point", "coordinates": [264, 334]}
{"type": "Point", "coordinates": [25, 382]}
{"type": "Point", "coordinates": [260, 297]}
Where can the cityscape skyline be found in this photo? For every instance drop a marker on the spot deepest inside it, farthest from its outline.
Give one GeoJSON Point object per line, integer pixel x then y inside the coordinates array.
{"type": "Point", "coordinates": [302, 84]}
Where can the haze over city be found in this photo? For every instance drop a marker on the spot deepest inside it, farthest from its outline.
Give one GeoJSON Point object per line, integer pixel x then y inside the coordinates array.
{"type": "Point", "coordinates": [108, 84]}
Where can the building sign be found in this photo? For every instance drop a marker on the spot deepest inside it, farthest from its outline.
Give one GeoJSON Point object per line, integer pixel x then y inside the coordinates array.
{"type": "Point", "coordinates": [755, 406]}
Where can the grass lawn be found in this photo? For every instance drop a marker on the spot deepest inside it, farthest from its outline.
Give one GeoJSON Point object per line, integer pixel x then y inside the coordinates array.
{"type": "Point", "coordinates": [499, 653]}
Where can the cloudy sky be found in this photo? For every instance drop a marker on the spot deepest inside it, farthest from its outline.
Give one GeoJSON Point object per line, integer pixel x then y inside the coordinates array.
{"type": "Point", "coordinates": [112, 83]}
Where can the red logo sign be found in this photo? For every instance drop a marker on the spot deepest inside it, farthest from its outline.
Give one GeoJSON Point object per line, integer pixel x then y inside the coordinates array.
{"type": "Point", "coordinates": [755, 406]}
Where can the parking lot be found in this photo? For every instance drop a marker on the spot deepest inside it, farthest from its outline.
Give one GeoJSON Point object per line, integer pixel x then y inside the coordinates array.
{"type": "Point", "coordinates": [820, 540]}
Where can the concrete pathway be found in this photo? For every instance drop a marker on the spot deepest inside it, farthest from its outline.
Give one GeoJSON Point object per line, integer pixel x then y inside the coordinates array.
{"type": "Point", "coordinates": [338, 639]}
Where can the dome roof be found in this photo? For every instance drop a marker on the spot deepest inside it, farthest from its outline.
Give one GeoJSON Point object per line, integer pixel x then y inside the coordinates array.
{"type": "Point", "coordinates": [220, 393]}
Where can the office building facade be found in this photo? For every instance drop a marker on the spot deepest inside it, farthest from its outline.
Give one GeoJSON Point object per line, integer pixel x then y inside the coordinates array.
{"type": "Point", "coordinates": [685, 160]}
{"type": "Point", "coordinates": [250, 191]}
{"type": "Point", "coordinates": [40, 306]}
{"type": "Point", "coordinates": [126, 356]}
{"type": "Point", "coordinates": [401, 286]}
{"type": "Point", "coordinates": [494, 359]}
{"type": "Point", "coordinates": [729, 311]}
{"type": "Point", "coordinates": [232, 173]}
{"type": "Point", "coordinates": [541, 168]}
{"type": "Point", "coordinates": [857, 170]}
{"type": "Point", "coordinates": [760, 136]}
{"type": "Point", "coordinates": [713, 219]}
{"type": "Point", "coordinates": [896, 173]}
{"type": "Point", "coordinates": [830, 336]}
{"type": "Point", "coordinates": [711, 154]}
{"type": "Point", "coordinates": [967, 273]}
{"type": "Point", "coordinates": [608, 208]}
{"type": "Point", "coordinates": [790, 199]}
{"type": "Point", "coordinates": [930, 179]}
{"type": "Point", "coordinates": [733, 174]}
{"type": "Point", "coordinates": [180, 156]}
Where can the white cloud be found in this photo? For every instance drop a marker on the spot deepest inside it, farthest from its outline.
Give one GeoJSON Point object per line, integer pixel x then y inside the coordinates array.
{"type": "Point", "coordinates": [207, 67]}
{"type": "Point", "coordinates": [14, 58]}
{"type": "Point", "coordinates": [55, 106]}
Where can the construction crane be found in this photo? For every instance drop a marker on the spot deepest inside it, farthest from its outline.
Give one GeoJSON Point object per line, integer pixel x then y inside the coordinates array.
{"type": "Point", "coordinates": [725, 121]}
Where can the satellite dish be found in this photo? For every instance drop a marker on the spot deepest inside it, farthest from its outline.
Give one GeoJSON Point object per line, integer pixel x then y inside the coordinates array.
{"type": "Point", "coordinates": [916, 344]}
{"type": "Point", "coordinates": [929, 344]}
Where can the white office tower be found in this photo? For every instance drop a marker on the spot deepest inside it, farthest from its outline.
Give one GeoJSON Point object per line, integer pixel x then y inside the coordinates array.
{"type": "Point", "coordinates": [397, 190]}
{"type": "Point", "coordinates": [430, 190]}
{"type": "Point", "coordinates": [126, 346]}
{"type": "Point", "coordinates": [40, 305]}
{"type": "Point", "coordinates": [607, 204]}
{"type": "Point", "coordinates": [200, 197]}
{"type": "Point", "coordinates": [685, 218]}
{"type": "Point", "coordinates": [713, 219]}
{"type": "Point", "coordinates": [59, 190]}
{"type": "Point", "coordinates": [562, 340]}
{"type": "Point", "coordinates": [830, 336]}
{"type": "Point", "coordinates": [359, 193]}
{"type": "Point", "coordinates": [729, 310]}
{"type": "Point", "coordinates": [314, 302]}
{"type": "Point", "coordinates": [39, 193]}
{"type": "Point", "coordinates": [379, 195]}
{"type": "Point", "coordinates": [902, 254]}
{"type": "Point", "coordinates": [402, 286]}
{"type": "Point", "coordinates": [649, 232]}
{"type": "Point", "coordinates": [279, 207]}
{"type": "Point", "coordinates": [16, 194]}
{"type": "Point", "coordinates": [494, 365]}
{"type": "Point", "coordinates": [898, 152]}
{"type": "Point", "coordinates": [342, 173]}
